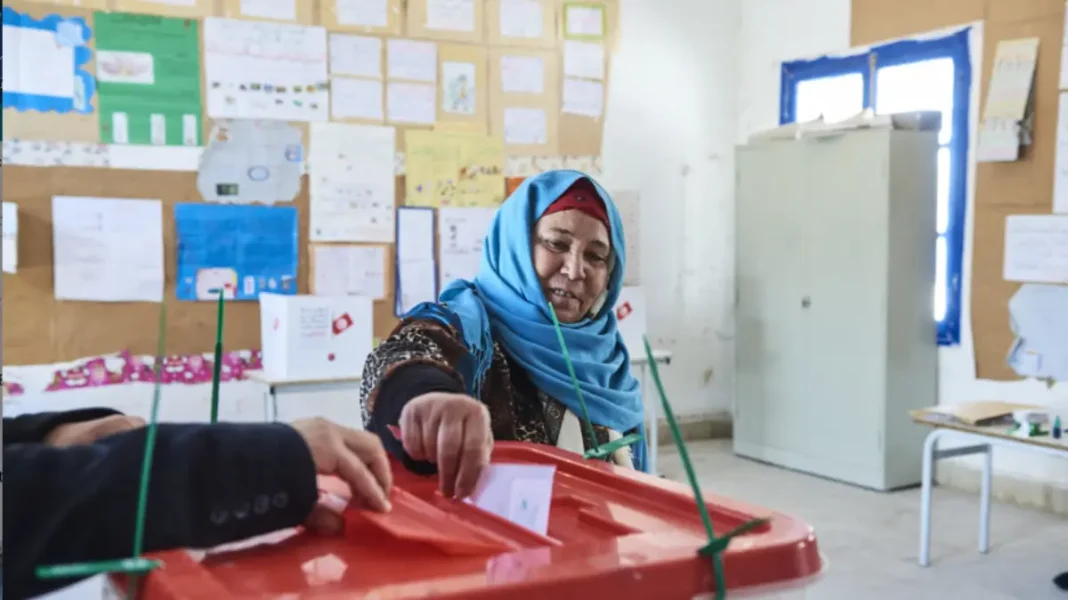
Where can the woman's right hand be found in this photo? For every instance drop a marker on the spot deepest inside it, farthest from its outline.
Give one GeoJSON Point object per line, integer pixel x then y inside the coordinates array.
{"type": "Point", "coordinates": [451, 431]}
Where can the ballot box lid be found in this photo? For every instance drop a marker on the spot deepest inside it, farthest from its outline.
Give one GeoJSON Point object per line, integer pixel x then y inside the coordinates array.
{"type": "Point", "coordinates": [612, 533]}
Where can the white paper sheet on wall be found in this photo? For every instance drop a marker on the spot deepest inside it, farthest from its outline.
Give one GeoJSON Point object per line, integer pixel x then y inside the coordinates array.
{"type": "Point", "coordinates": [522, 75]}
{"type": "Point", "coordinates": [522, 19]}
{"type": "Point", "coordinates": [107, 249]}
{"type": "Point", "coordinates": [352, 183]}
{"type": "Point", "coordinates": [412, 60]}
{"type": "Point", "coordinates": [282, 10]}
{"type": "Point", "coordinates": [356, 55]}
{"type": "Point", "coordinates": [1036, 248]}
{"type": "Point", "coordinates": [411, 103]}
{"type": "Point", "coordinates": [262, 70]}
{"type": "Point", "coordinates": [416, 267]}
{"type": "Point", "coordinates": [352, 98]}
{"type": "Point", "coordinates": [249, 161]}
{"type": "Point", "coordinates": [415, 234]}
{"type": "Point", "coordinates": [583, 97]}
{"type": "Point", "coordinates": [525, 126]}
{"type": "Point", "coordinates": [365, 13]}
{"type": "Point", "coordinates": [1038, 318]}
{"type": "Point", "coordinates": [584, 59]}
{"type": "Point", "coordinates": [1060, 165]}
{"type": "Point", "coordinates": [349, 271]}
{"type": "Point", "coordinates": [416, 283]}
{"type": "Point", "coordinates": [461, 232]}
{"type": "Point", "coordinates": [11, 237]}
{"type": "Point", "coordinates": [450, 15]}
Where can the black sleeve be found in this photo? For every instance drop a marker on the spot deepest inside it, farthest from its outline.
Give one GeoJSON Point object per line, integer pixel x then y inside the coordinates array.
{"type": "Point", "coordinates": [209, 485]}
{"type": "Point", "coordinates": [403, 384]}
{"type": "Point", "coordinates": [32, 428]}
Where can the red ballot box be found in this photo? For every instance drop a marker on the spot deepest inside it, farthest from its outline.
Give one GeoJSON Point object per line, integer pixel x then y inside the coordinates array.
{"type": "Point", "coordinates": [612, 533]}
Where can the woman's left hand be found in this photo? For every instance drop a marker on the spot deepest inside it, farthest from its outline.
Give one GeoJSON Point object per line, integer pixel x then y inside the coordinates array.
{"type": "Point", "coordinates": [87, 432]}
{"type": "Point", "coordinates": [451, 431]}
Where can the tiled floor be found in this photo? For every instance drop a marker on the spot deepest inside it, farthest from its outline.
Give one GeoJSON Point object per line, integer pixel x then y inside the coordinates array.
{"type": "Point", "coordinates": [870, 539]}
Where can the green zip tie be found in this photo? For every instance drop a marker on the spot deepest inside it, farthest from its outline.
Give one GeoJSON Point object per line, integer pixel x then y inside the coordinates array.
{"type": "Point", "coordinates": [716, 546]}
{"type": "Point", "coordinates": [122, 565]}
{"type": "Point", "coordinates": [217, 374]}
{"type": "Point", "coordinates": [136, 565]}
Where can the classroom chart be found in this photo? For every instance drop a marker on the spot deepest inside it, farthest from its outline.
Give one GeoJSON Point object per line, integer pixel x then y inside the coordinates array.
{"type": "Point", "coordinates": [243, 250]}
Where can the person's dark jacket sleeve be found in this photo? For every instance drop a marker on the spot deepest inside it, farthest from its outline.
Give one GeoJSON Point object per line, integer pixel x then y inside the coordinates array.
{"type": "Point", "coordinates": [209, 485]}
{"type": "Point", "coordinates": [34, 427]}
{"type": "Point", "coordinates": [400, 387]}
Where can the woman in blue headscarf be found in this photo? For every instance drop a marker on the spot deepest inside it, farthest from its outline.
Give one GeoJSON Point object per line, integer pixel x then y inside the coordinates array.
{"type": "Point", "coordinates": [484, 363]}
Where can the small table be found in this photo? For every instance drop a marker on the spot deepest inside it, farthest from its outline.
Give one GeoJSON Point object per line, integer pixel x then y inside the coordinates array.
{"type": "Point", "coordinates": [279, 387]}
{"type": "Point", "coordinates": [980, 440]}
{"type": "Point", "coordinates": [660, 357]}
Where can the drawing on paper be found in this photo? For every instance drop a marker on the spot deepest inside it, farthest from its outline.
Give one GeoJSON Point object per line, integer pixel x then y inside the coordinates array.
{"type": "Point", "coordinates": [57, 81]}
{"type": "Point", "coordinates": [458, 88]}
{"type": "Point", "coordinates": [125, 67]}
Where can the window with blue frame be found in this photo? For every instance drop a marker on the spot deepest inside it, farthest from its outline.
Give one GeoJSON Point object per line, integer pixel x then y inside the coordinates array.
{"type": "Point", "coordinates": [909, 75]}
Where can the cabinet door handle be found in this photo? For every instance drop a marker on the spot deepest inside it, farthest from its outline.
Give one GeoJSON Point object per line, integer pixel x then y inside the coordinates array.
{"type": "Point", "coordinates": [806, 302]}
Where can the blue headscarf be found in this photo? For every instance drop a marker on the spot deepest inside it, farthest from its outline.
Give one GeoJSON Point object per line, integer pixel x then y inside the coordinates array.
{"type": "Point", "coordinates": [505, 303]}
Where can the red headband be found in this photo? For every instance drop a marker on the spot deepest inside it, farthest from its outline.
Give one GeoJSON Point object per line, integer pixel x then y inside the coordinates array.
{"type": "Point", "coordinates": [581, 196]}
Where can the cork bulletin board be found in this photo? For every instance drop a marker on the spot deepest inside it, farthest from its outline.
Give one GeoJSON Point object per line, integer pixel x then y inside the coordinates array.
{"type": "Point", "coordinates": [41, 330]}
{"type": "Point", "coordinates": [1001, 189]}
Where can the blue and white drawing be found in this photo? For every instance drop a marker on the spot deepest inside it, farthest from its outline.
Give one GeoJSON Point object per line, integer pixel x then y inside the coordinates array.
{"type": "Point", "coordinates": [44, 63]}
{"type": "Point", "coordinates": [242, 250]}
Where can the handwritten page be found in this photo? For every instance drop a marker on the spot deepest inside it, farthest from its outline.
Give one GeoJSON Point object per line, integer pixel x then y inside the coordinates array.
{"type": "Point", "coordinates": [522, 494]}
{"type": "Point", "coordinates": [1038, 318]}
{"type": "Point", "coordinates": [584, 60]}
{"type": "Point", "coordinates": [243, 250]}
{"type": "Point", "coordinates": [584, 20]}
{"type": "Point", "coordinates": [1060, 166]}
{"type": "Point", "coordinates": [1036, 248]}
{"type": "Point", "coordinates": [450, 15]}
{"type": "Point", "coordinates": [356, 55]}
{"type": "Point", "coordinates": [412, 60]}
{"type": "Point", "coordinates": [999, 141]}
{"type": "Point", "coordinates": [352, 98]}
{"type": "Point", "coordinates": [349, 271]}
{"type": "Point", "coordinates": [107, 249]}
{"type": "Point", "coordinates": [415, 234]}
{"type": "Point", "coordinates": [364, 13]}
{"type": "Point", "coordinates": [262, 70]}
{"type": "Point", "coordinates": [282, 10]}
{"type": "Point", "coordinates": [352, 189]}
{"type": "Point", "coordinates": [411, 103]}
{"type": "Point", "coordinates": [582, 97]}
{"type": "Point", "coordinates": [461, 232]}
{"type": "Point", "coordinates": [521, 19]}
{"type": "Point", "coordinates": [525, 127]}
{"type": "Point", "coordinates": [454, 169]}
{"type": "Point", "coordinates": [11, 237]}
{"type": "Point", "coordinates": [522, 75]}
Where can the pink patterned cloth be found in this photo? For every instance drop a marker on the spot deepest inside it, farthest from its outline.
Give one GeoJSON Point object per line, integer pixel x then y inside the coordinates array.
{"type": "Point", "coordinates": [176, 369]}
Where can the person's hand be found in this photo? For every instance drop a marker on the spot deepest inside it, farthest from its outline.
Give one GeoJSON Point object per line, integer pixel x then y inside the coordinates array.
{"type": "Point", "coordinates": [87, 432]}
{"type": "Point", "coordinates": [451, 431]}
{"type": "Point", "coordinates": [357, 457]}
